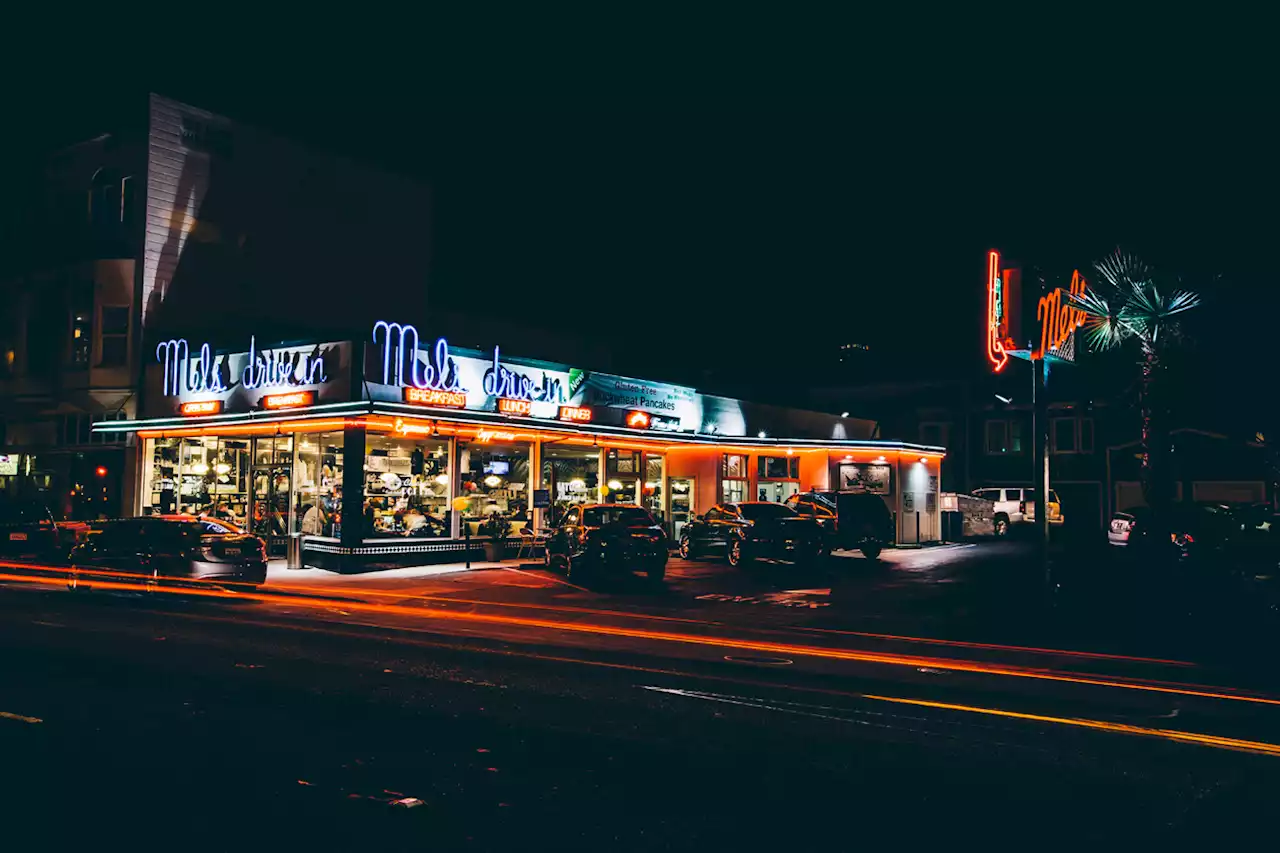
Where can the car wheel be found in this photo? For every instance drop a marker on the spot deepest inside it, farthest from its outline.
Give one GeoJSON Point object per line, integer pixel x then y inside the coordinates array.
{"type": "Point", "coordinates": [686, 548]}
{"type": "Point", "coordinates": [736, 555]}
{"type": "Point", "coordinates": [870, 550]}
{"type": "Point", "coordinates": [1001, 526]}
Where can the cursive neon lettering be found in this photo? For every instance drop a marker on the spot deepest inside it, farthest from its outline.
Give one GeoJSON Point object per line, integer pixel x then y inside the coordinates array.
{"type": "Point", "coordinates": [996, 353]}
{"type": "Point", "coordinates": [501, 381]}
{"type": "Point", "coordinates": [439, 373]}
{"type": "Point", "coordinates": [1058, 319]}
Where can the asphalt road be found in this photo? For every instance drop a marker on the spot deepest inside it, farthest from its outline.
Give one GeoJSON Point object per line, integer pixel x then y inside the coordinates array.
{"type": "Point", "coordinates": [208, 722]}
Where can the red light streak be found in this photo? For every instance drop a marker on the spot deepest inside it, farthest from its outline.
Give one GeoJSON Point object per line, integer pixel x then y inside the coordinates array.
{"type": "Point", "coordinates": [124, 580]}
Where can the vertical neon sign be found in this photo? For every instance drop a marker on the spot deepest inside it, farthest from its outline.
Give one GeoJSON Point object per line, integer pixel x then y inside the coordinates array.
{"type": "Point", "coordinates": [995, 313]}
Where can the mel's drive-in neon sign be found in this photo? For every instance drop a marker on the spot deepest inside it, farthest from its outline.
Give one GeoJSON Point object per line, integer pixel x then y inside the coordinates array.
{"type": "Point", "coordinates": [265, 369]}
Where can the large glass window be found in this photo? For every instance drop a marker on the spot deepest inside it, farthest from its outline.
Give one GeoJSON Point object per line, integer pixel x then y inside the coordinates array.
{"type": "Point", "coordinates": [571, 475]}
{"type": "Point", "coordinates": [733, 484]}
{"type": "Point", "coordinates": [655, 497]}
{"type": "Point", "coordinates": [319, 484]}
{"type": "Point", "coordinates": [203, 475]}
{"type": "Point", "coordinates": [779, 477]}
{"type": "Point", "coordinates": [406, 486]}
{"type": "Point", "coordinates": [623, 472]}
{"type": "Point", "coordinates": [495, 477]}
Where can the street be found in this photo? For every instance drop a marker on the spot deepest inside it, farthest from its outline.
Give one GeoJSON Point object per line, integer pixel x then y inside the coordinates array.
{"type": "Point", "coordinates": [473, 710]}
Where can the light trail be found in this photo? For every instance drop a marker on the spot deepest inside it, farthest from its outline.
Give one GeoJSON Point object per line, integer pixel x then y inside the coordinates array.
{"type": "Point", "coordinates": [776, 648]}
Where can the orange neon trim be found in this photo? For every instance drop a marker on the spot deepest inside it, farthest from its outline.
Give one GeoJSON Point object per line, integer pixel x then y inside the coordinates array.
{"type": "Point", "coordinates": [250, 429]}
{"type": "Point", "coordinates": [292, 400]}
{"type": "Point", "coordinates": [1058, 319]}
{"type": "Point", "coordinates": [202, 407]}
{"type": "Point", "coordinates": [995, 308]}
{"type": "Point", "coordinates": [432, 397]}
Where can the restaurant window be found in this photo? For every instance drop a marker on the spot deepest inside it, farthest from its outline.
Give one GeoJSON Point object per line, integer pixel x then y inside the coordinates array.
{"type": "Point", "coordinates": [655, 472]}
{"type": "Point", "coordinates": [778, 477]}
{"type": "Point", "coordinates": [733, 478]}
{"type": "Point", "coordinates": [198, 475]}
{"type": "Point", "coordinates": [571, 475]}
{"type": "Point", "coordinates": [317, 484]}
{"type": "Point", "coordinates": [623, 472]}
{"type": "Point", "coordinates": [1004, 436]}
{"type": "Point", "coordinates": [495, 479]}
{"type": "Point", "coordinates": [406, 487]}
{"type": "Point", "coordinates": [115, 336]}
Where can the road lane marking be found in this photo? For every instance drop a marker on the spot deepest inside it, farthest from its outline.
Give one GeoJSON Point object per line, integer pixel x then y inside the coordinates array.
{"type": "Point", "coordinates": [19, 718]}
{"type": "Point", "coordinates": [1259, 747]}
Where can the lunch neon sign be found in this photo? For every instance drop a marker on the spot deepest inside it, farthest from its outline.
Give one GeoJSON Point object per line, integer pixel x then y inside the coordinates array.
{"type": "Point", "coordinates": [509, 406]}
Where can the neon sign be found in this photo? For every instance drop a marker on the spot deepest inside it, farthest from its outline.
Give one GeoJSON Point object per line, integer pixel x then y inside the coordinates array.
{"type": "Point", "coordinates": [577, 414]}
{"type": "Point", "coordinates": [485, 436]}
{"type": "Point", "coordinates": [403, 428]}
{"type": "Point", "coordinates": [996, 353]}
{"type": "Point", "coordinates": [1057, 318]}
{"type": "Point", "coordinates": [501, 381]}
{"type": "Point", "coordinates": [440, 373]}
{"type": "Point", "coordinates": [182, 375]}
{"type": "Point", "coordinates": [431, 397]}
{"type": "Point", "coordinates": [266, 369]}
{"type": "Point", "coordinates": [638, 420]}
{"type": "Point", "coordinates": [201, 407]}
{"type": "Point", "coordinates": [509, 406]}
{"type": "Point", "coordinates": [292, 400]}
{"type": "Point", "coordinates": [269, 369]}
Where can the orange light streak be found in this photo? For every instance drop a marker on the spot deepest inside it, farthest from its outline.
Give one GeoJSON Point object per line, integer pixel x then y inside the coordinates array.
{"type": "Point", "coordinates": [783, 649]}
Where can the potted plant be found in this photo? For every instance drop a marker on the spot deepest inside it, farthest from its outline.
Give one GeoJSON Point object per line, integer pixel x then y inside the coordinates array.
{"type": "Point", "coordinates": [497, 528]}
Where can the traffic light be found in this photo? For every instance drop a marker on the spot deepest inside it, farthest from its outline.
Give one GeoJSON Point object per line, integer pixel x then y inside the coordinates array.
{"type": "Point", "coordinates": [102, 471]}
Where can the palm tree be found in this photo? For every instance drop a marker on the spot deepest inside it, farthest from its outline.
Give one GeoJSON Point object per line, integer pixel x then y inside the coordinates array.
{"type": "Point", "coordinates": [1127, 305]}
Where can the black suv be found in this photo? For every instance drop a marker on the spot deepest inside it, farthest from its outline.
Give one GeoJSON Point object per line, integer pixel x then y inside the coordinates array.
{"type": "Point", "coordinates": [745, 531]}
{"type": "Point", "coordinates": [603, 537]}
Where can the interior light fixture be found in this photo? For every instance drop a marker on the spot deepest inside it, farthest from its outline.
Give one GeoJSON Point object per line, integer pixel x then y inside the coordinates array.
{"type": "Point", "coordinates": [577, 484]}
{"type": "Point", "coordinates": [493, 481]}
{"type": "Point", "coordinates": [615, 484]}
{"type": "Point", "coordinates": [442, 479]}
{"type": "Point", "coordinates": [200, 468]}
{"type": "Point", "coordinates": [222, 468]}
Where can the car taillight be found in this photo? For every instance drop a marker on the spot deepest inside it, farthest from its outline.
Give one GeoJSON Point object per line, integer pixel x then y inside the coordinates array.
{"type": "Point", "coordinates": [1022, 506]}
{"type": "Point", "coordinates": [1181, 538]}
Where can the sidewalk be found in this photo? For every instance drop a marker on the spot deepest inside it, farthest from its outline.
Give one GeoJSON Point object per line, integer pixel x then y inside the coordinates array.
{"type": "Point", "coordinates": [277, 574]}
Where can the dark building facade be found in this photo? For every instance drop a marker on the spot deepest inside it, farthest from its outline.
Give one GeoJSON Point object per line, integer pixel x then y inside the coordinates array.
{"type": "Point", "coordinates": [178, 220]}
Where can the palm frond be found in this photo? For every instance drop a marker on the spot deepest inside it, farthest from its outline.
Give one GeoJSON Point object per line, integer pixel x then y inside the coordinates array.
{"type": "Point", "coordinates": [1104, 323]}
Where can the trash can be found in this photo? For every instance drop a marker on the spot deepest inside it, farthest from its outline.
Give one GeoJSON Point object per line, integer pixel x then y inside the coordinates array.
{"type": "Point", "coordinates": [293, 552]}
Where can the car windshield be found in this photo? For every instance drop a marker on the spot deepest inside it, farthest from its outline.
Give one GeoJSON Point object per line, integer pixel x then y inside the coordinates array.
{"type": "Point", "coordinates": [22, 512]}
{"type": "Point", "coordinates": [599, 516]}
{"type": "Point", "coordinates": [761, 512]}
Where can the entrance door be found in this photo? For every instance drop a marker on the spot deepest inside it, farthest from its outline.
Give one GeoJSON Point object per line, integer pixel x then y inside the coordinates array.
{"type": "Point", "coordinates": [272, 492]}
{"type": "Point", "coordinates": [683, 505]}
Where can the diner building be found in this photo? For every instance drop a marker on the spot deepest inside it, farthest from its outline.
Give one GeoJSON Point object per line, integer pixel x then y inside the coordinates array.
{"type": "Point", "coordinates": [399, 450]}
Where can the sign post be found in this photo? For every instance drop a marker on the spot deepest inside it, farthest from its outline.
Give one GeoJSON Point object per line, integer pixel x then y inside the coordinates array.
{"type": "Point", "coordinates": [1057, 322]}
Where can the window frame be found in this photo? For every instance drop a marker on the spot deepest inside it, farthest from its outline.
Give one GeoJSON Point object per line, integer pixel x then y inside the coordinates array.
{"type": "Point", "coordinates": [1078, 432]}
{"type": "Point", "coordinates": [104, 335]}
{"type": "Point", "coordinates": [944, 432]}
{"type": "Point", "coordinates": [793, 469]}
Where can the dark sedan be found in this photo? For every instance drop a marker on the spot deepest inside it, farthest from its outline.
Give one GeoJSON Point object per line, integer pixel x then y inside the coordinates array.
{"type": "Point", "coordinates": [158, 550]}
{"type": "Point", "coordinates": [608, 537]}
{"type": "Point", "coordinates": [751, 530]}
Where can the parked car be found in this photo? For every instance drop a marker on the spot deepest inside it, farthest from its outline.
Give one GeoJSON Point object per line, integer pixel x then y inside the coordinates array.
{"type": "Point", "coordinates": [595, 538]}
{"type": "Point", "coordinates": [159, 549]}
{"type": "Point", "coordinates": [851, 520]}
{"type": "Point", "coordinates": [28, 531]}
{"type": "Point", "coordinates": [1121, 525]}
{"type": "Point", "coordinates": [1017, 505]}
{"type": "Point", "coordinates": [751, 530]}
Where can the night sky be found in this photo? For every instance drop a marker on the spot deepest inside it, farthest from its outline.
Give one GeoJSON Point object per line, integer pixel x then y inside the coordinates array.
{"type": "Point", "coordinates": [749, 229]}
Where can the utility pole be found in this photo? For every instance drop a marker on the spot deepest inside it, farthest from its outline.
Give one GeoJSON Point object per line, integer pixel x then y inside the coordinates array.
{"type": "Point", "coordinates": [1040, 472]}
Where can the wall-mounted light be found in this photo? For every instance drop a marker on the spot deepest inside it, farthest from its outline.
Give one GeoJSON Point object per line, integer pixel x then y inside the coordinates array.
{"type": "Point", "coordinates": [924, 460]}
{"type": "Point", "coordinates": [844, 414]}
{"type": "Point", "coordinates": [762, 434]}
